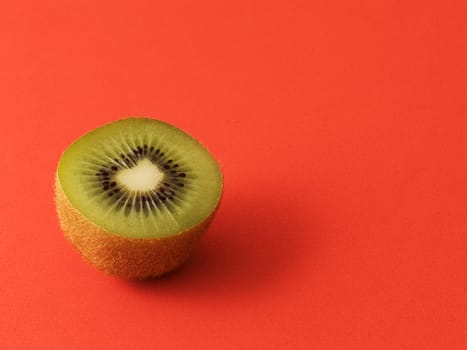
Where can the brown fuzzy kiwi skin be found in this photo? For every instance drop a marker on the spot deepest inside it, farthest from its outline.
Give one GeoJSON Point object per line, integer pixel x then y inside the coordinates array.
{"type": "Point", "coordinates": [130, 258]}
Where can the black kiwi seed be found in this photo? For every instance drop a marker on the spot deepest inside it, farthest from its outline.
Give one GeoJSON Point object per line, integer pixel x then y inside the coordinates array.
{"type": "Point", "coordinates": [153, 197]}
{"type": "Point", "coordinates": [127, 209]}
{"type": "Point", "coordinates": [137, 204]}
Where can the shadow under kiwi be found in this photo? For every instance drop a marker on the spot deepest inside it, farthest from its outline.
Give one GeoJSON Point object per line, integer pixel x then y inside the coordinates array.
{"type": "Point", "coordinates": [252, 243]}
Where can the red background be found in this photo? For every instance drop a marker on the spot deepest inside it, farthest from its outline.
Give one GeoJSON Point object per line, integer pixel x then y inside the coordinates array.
{"type": "Point", "coordinates": [341, 128]}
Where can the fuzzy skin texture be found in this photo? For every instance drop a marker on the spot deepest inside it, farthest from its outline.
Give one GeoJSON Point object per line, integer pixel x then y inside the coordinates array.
{"type": "Point", "coordinates": [131, 258]}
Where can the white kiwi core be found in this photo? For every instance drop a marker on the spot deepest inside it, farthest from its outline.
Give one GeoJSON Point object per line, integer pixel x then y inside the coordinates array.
{"type": "Point", "coordinates": [145, 176]}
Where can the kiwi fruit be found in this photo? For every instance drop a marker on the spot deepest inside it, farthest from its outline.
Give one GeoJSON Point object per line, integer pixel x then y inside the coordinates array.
{"type": "Point", "coordinates": [135, 196]}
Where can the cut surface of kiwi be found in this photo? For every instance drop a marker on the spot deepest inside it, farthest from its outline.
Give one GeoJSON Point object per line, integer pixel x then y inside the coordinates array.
{"type": "Point", "coordinates": [140, 181]}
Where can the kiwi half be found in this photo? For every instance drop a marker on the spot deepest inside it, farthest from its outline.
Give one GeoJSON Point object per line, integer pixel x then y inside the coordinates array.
{"type": "Point", "coordinates": [134, 196]}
